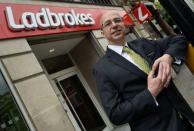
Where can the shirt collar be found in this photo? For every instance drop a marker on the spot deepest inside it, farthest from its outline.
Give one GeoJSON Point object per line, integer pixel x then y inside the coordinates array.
{"type": "Point", "coordinates": [117, 48]}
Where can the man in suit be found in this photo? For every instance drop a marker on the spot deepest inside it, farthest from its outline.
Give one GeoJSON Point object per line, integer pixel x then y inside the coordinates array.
{"type": "Point", "coordinates": [142, 95]}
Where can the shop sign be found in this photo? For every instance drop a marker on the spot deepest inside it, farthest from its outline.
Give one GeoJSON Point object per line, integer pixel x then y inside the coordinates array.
{"type": "Point", "coordinates": [141, 13]}
{"type": "Point", "coordinates": [18, 20]}
{"type": "Point", "coordinates": [45, 19]}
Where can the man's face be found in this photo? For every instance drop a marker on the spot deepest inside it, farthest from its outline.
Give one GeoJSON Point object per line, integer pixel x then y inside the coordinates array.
{"type": "Point", "coordinates": [113, 27]}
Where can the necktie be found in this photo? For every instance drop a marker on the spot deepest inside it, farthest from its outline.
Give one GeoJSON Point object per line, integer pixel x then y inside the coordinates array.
{"type": "Point", "coordinates": [138, 60]}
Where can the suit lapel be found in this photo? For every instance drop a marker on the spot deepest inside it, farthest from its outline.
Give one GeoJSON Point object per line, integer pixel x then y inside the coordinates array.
{"type": "Point", "coordinates": [124, 63]}
{"type": "Point", "coordinates": [138, 50]}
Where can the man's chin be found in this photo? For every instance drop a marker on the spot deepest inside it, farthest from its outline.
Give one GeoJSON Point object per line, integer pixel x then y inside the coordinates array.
{"type": "Point", "coordinates": [118, 37]}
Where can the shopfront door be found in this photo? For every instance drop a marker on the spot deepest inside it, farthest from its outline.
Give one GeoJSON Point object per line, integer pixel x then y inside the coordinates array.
{"type": "Point", "coordinates": [78, 103]}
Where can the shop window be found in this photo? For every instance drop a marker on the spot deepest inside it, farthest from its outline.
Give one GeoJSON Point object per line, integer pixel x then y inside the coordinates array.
{"type": "Point", "coordinates": [105, 2]}
{"type": "Point", "coordinates": [11, 118]}
{"type": "Point", "coordinates": [57, 63]}
{"type": "Point", "coordinates": [155, 31]}
{"type": "Point", "coordinates": [98, 2]}
{"type": "Point", "coordinates": [131, 34]}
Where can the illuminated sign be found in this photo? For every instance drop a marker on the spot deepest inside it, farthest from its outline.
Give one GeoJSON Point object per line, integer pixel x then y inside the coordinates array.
{"type": "Point", "coordinates": [19, 20]}
{"type": "Point", "coordinates": [45, 19]}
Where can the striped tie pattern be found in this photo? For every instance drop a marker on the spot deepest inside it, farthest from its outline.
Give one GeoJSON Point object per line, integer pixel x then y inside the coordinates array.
{"type": "Point", "coordinates": [138, 60]}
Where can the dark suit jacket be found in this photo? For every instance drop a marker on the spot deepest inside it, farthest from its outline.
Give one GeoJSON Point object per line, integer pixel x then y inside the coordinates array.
{"type": "Point", "coordinates": [123, 88]}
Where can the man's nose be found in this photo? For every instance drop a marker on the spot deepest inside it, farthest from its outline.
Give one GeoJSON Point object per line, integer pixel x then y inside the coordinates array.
{"type": "Point", "coordinates": [114, 24]}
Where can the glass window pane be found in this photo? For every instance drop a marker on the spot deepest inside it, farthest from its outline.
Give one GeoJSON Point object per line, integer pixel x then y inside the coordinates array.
{"type": "Point", "coordinates": [131, 34]}
{"type": "Point", "coordinates": [10, 116]}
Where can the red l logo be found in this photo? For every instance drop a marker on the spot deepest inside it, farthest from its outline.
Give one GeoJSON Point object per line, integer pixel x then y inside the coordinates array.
{"type": "Point", "coordinates": [141, 13]}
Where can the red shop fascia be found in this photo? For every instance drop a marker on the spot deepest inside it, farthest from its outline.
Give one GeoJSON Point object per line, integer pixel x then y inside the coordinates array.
{"type": "Point", "coordinates": [19, 20]}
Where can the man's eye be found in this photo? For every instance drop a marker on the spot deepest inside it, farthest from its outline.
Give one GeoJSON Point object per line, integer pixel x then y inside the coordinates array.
{"type": "Point", "coordinates": [107, 24]}
{"type": "Point", "coordinates": [117, 20]}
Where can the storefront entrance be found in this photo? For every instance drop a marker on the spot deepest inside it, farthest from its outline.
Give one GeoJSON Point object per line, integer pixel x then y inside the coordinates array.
{"type": "Point", "coordinates": [74, 94]}
{"type": "Point", "coordinates": [77, 101]}
{"type": "Point", "coordinates": [62, 62]}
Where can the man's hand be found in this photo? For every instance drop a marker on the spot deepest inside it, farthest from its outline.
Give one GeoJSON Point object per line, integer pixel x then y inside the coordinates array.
{"type": "Point", "coordinates": [156, 84]}
{"type": "Point", "coordinates": [166, 63]}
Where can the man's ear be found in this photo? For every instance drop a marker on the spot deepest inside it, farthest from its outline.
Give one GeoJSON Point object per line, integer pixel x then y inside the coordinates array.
{"type": "Point", "coordinates": [102, 33]}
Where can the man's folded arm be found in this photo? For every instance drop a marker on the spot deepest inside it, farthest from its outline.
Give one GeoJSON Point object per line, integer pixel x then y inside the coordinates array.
{"type": "Point", "coordinates": [174, 45]}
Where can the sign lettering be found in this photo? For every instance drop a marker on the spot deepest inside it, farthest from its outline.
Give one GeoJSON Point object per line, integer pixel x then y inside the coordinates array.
{"type": "Point", "coordinates": [45, 19]}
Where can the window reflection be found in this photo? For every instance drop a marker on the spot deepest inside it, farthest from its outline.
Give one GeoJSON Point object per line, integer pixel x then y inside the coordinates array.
{"type": "Point", "coordinates": [10, 117]}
